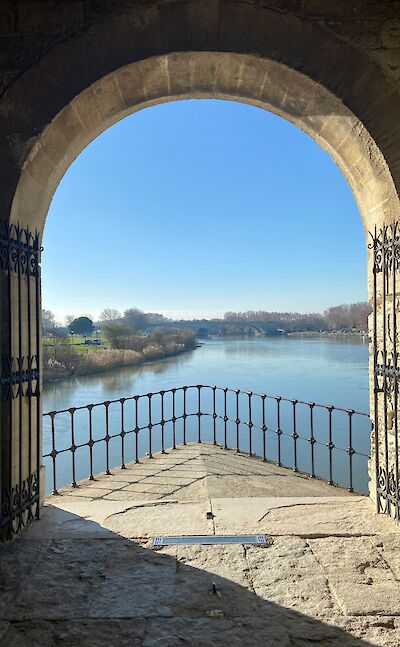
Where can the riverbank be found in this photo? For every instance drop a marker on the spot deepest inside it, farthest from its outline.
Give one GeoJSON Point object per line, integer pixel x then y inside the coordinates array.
{"type": "Point", "coordinates": [106, 359]}
{"type": "Point", "coordinates": [330, 334]}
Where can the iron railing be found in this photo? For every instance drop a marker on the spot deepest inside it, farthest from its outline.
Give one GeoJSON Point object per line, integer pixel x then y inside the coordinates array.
{"type": "Point", "coordinates": [323, 441]}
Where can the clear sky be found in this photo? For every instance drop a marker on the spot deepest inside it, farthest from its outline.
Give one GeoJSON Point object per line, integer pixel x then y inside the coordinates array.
{"type": "Point", "coordinates": [193, 208]}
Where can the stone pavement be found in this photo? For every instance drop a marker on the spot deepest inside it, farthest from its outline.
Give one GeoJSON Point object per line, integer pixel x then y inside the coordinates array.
{"type": "Point", "coordinates": [86, 574]}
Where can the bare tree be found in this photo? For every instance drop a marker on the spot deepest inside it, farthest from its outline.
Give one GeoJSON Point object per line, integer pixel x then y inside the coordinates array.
{"type": "Point", "coordinates": [135, 319]}
{"type": "Point", "coordinates": [48, 321]}
{"type": "Point", "coordinates": [110, 314]}
{"type": "Point", "coordinates": [348, 316]}
{"type": "Point", "coordinates": [156, 317]}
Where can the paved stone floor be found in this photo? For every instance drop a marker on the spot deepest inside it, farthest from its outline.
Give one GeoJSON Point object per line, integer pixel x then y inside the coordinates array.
{"type": "Point", "coordinates": [86, 574]}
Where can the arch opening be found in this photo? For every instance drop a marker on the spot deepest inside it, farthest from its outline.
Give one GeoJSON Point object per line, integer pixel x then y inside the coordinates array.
{"type": "Point", "coordinates": [311, 144]}
{"type": "Point", "coordinates": [240, 77]}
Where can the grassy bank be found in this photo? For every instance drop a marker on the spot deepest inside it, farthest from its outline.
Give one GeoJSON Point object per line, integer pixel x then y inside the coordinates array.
{"type": "Point", "coordinates": [63, 360]}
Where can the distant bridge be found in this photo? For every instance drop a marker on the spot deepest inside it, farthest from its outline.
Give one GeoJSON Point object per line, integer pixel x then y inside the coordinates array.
{"type": "Point", "coordinates": [204, 327]}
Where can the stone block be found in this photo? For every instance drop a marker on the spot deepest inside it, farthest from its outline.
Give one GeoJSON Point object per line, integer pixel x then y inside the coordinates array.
{"type": "Point", "coordinates": [361, 579]}
{"type": "Point", "coordinates": [316, 520]}
{"type": "Point", "coordinates": [204, 632]}
{"type": "Point", "coordinates": [49, 16]}
{"type": "Point", "coordinates": [94, 578]}
{"type": "Point", "coordinates": [199, 567]}
{"type": "Point", "coordinates": [390, 34]}
{"type": "Point", "coordinates": [75, 633]}
{"type": "Point", "coordinates": [288, 574]}
{"type": "Point", "coordinates": [162, 519]}
{"type": "Point", "coordinates": [174, 27]}
{"type": "Point", "coordinates": [203, 17]}
{"type": "Point", "coordinates": [14, 569]}
{"type": "Point", "coordinates": [272, 515]}
{"type": "Point", "coordinates": [179, 74]}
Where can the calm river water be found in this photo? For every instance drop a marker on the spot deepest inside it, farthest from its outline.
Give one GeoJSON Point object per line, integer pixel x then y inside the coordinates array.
{"type": "Point", "coordinates": [327, 370]}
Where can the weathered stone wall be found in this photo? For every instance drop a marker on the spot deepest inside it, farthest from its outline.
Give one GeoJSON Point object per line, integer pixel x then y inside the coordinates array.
{"type": "Point", "coordinates": [71, 68]}
{"type": "Point", "coordinates": [29, 28]}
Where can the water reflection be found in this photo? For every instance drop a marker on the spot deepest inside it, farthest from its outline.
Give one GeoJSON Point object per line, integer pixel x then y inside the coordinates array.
{"type": "Point", "coordinates": [62, 394]}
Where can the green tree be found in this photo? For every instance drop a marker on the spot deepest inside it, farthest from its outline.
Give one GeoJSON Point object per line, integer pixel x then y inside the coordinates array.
{"type": "Point", "coordinates": [81, 326]}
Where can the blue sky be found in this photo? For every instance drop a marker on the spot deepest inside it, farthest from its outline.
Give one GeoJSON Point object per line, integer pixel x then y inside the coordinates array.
{"type": "Point", "coordinates": [194, 208]}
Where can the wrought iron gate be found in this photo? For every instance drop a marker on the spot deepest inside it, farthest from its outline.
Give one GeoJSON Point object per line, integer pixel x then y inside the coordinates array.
{"type": "Point", "coordinates": [385, 247]}
{"type": "Point", "coordinates": [20, 413]}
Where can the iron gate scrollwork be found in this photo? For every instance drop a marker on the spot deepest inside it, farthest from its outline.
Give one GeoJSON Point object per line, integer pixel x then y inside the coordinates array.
{"type": "Point", "coordinates": [385, 247]}
{"type": "Point", "coordinates": [20, 414]}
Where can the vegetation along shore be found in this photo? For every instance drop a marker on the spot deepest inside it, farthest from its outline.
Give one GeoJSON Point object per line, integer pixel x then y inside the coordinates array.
{"type": "Point", "coordinates": [84, 356]}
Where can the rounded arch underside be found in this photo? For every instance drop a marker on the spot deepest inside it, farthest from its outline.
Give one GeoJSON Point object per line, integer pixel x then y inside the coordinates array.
{"type": "Point", "coordinates": [246, 78]}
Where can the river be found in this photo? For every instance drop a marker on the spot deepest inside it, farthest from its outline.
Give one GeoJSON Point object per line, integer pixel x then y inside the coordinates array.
{"type": "Point", "coordinates": [327, 370]}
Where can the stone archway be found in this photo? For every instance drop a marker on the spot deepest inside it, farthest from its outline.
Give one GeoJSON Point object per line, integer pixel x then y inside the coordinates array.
{"type": "Point", "coordinates": [239, 77]}
{"type": "Point", "coordinates": [160, 52]}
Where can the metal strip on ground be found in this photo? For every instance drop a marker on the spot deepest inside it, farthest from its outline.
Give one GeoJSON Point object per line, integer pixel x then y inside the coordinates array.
{"type": "Point", "coordinates": [209, 539]}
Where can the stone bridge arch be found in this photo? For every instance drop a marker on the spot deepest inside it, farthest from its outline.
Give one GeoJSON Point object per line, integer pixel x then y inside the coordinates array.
{"type": "Point", "coordinates": [253, 326]}
{"type": "Point", "coordinates": [108, 62]}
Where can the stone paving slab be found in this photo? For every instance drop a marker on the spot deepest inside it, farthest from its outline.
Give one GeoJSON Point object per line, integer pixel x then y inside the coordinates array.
{"type": "Point", "coordinates": [375, 630]}
{"type": "Point", "coordinates": [308, 517]}
{"type": "Point", "coordinates": [74, 633]}
{"type": "Point", "coordinates": [202, 470]}
{"type": "Point", "coordinates": [289, 574]}
{"type": "Point", "coordinates": [162, 519]}
{"type": "Point", "coordinates": [93, 579]}
{"type": "Point", "coordinates": [86, 574]}
{"type": "Point", "coordinates": [341, 517]}
{"type": "Point", "coordinates": [59, 523]}
{"type": "Point", "coordinates": [140, 492]}
{"type": "Point", "coordinates": [199, 567]}
{"type": "Point", "coordinates": [82, 493]}
{"type": "Point", "coordinates": [388, 547]}
{"type": "Point", "coordinates": [18, 565]}
{"type": "Point", "coordinates": [270, 631]}
{"type": "Point", "coordinates": [299, 516]}
{"type": "Point", "coordinates": [362, 581]}
{"type": "Point", "coordinates": [68, 517]}
{"type": "Point", "coordinates": [204, 632]}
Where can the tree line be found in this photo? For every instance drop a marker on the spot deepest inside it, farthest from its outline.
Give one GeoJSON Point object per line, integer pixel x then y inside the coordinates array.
{"type": "Point", "coordinates": [132, 320]}
{"type": "Point", "coordinates": [122, 332]}
{"type": "Point", "coordinates": [348, 316]}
